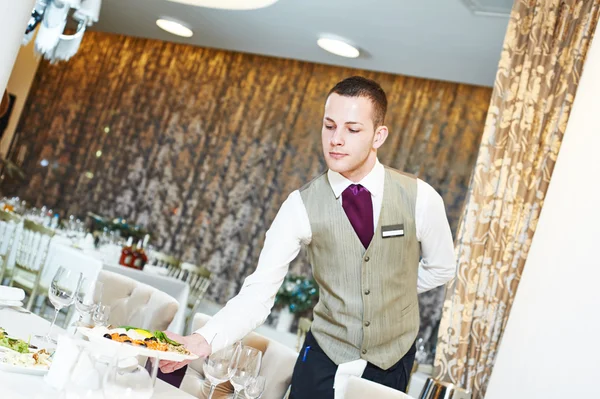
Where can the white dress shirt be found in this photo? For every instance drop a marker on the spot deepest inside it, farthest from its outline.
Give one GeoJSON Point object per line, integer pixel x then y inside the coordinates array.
{"type": "Point", "coordinates": [291, 229]}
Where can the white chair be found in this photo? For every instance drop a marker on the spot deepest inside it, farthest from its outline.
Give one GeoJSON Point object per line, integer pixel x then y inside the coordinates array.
{"type": "Point", "coordinates": [277, 366]}
{"type": "Point", "coordinates": [135, 304]}
{"type": "Point", "coordinates": [359, 388]}
{"type": "Point", "coordinates": [198, 279]}
{"type": "Point", "coordinates": [8, 228]}
{"type": "Point", "coordinates": [161, 260]}
{"type": "Point", "coordinates": [32, 250]}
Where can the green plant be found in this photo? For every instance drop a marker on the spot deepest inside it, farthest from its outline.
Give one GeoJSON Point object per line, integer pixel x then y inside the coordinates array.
{"type": "Point", "coordinates": [298, 293]}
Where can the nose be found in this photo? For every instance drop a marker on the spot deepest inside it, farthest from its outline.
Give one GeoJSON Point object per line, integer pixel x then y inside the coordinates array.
{"type": "Point", "coordinates": [336, 138]}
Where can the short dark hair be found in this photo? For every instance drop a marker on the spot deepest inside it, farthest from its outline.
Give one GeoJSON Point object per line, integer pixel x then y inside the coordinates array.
{"type": "Point", "coordinates": [358, 86]}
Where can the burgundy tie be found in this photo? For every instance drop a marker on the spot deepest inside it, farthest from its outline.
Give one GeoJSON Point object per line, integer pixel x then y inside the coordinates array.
{"type": "Point", "coordinates": [357, 203]}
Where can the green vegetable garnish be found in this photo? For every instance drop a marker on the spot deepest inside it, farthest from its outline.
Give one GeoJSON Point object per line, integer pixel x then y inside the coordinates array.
{"type": "Point", "coordinates": [15, 344]}
{"type": "Point", "coordinates": [161, 336]}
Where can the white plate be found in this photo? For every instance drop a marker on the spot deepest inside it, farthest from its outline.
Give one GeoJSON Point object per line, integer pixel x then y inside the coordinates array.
{"type": "Point", "coordinates": [5, 349]}
{"type": "Point", "coordinates": [96, 335]}
{"type": "Point", "coordinates": [11, 368]}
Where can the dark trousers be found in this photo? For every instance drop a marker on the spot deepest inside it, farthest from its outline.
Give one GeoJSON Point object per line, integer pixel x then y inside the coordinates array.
{"type": "Point", "coordinates": [314, 372]}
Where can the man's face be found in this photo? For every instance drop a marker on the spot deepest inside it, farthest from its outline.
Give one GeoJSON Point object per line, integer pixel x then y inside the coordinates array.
{"type": "Point", "coordinates": [348, 135]}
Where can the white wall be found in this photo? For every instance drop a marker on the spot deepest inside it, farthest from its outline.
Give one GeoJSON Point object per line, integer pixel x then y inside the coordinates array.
{"type": "Point", "coordinates": [13, 21]}
{"type": "Point", "coordinates": [551, 347]}
{"type": "Point", "coordinates": [19, 84]}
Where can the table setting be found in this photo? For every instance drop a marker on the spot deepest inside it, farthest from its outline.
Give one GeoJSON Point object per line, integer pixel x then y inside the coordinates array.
{"type": "Point", "coordinates": [40, 359]}
{"type": "Point", "coordinates": [93, 359]}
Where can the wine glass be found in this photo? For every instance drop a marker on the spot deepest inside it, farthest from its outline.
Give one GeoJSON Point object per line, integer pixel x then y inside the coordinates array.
{"type": "Point", "coordinates": [100, 315]}
{"type": "Point", "coordinates": [133, 383]}
{"type": "Point", "coordinates": [219, 366]}
{"type": "Point", "coordinates": [255, 387]}
{"type": "Point", "coordinates": [247, 364]}
{"type": "Point", "coordinates": [61, 293]}
{"type": "Point", "coordinates": [85, 301]}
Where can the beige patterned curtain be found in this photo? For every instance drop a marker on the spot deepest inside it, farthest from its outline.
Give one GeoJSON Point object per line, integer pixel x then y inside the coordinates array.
{"type": "Point", "coordinates": [542, 59]}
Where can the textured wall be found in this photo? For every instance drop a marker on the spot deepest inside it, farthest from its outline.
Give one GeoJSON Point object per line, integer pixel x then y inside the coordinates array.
{"type": "Point", "coordinates": [201, 146]}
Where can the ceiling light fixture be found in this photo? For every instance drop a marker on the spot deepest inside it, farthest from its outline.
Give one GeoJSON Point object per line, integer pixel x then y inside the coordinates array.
{"type": "Point", "coordinates": [338, 47]}
{"type": "Point", "coordinates": [228, 4]}
{"type": "Point", "coordinates": [174, 27]}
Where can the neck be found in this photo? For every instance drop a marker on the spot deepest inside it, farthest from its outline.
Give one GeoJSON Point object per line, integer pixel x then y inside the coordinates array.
{"type": "Point", "coordinates": [359, 173]}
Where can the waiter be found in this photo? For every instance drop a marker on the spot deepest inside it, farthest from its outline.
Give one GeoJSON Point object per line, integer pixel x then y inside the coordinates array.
{"type": "Point", "coordinates": [376, 238]}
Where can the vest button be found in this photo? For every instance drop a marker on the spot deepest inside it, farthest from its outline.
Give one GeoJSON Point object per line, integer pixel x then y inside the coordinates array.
{"type": "Point", "coordinates": [367, 258]}
{"type": "Point", "coordinates": [367, 323]}
{"type": "Point", "coordinates": [367, 292]}
{"type": "Point", "coordinates": [364, 351]}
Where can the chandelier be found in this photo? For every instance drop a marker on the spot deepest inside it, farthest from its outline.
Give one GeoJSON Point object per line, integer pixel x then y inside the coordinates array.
{"type": "Point", "coordinates": [51, 16]}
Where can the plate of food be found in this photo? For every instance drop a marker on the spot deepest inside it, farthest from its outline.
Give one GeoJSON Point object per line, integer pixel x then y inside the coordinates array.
{"type": "Point", "coordinates": [37, 363]}
{"type": "Point", "coordinates": [139, 341]}
{"type": "Point", "coordinates": [14, 345]}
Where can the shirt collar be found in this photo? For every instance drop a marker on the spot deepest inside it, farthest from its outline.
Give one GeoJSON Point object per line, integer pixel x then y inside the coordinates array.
{"type": "Point", "coordinates": [372, 181]}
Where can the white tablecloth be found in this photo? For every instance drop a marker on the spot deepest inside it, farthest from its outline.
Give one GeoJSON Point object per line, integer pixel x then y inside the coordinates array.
{"type": "Point", "coordinates": [22, 386]}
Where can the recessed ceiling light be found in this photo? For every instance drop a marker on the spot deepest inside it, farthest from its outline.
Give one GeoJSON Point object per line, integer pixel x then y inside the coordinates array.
{"type": "Point", "coordinates": [228, 4]}
{"type": "Point", "coordinates": [174, 27]}
{"type": "Point", "coordinates": [338, 47]}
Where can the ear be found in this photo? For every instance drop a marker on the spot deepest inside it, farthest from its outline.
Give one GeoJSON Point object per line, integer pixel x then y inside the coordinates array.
{"type": "Point", "coordinates": [380, 136]}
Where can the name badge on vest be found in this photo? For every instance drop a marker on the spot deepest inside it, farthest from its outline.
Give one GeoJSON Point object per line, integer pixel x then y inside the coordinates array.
{"type": "Point", "coordinates": [396, 230]}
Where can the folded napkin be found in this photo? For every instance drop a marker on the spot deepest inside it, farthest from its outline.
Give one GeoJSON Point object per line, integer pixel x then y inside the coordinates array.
{"type": "Point", "coordinates": [67, 353]}
{"type": "Point", "coordinates": [11, 294]}
{"type": "Point", "coordinates": [343, 374]}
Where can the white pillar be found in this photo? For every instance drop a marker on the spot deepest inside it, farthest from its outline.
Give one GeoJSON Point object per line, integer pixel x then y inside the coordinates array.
{"type": "Point", "coordinates": [550, 347]}
{"type": "Point", "coordinates": [14, 15]}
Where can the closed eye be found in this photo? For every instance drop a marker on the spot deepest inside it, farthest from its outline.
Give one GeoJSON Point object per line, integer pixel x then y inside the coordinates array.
{"type": "Point", "coordinates": [353, 131]}
{"type": "Point", "coordinates": [329, 127]}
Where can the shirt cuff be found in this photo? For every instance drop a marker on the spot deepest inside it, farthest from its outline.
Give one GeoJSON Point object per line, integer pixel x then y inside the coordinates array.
{"type": "Point", "coordinates": [210, 333]}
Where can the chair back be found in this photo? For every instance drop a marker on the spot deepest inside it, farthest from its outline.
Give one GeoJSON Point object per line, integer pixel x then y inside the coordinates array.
{"type": "Point", "coordinates": [198, 278]}
{"type": "Point", "coordinates": [32, 250]}
{"type": "Point", "coordinates": [277, 366]}
{"type": "Point", "coordinates": [8, 229]}
{"type": "Point", "coordinates": [163, 260]}
{"type": "Point", "coordinates": [136, 304]}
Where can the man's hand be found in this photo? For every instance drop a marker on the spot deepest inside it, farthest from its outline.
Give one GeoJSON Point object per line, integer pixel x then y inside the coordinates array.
{"type": "Point", "coordinates": [195, 343]}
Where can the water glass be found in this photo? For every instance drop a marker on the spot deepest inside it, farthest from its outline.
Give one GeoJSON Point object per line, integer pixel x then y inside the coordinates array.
{"type": "Point", "coordinates": [86, 299]}
{"type": "Point", "coordinates": [101, 315]}
{"type": "Point", "coordinates": [220, 365]}
{"type": "Point", "coordinates": [247, 364]}
{"type": "Point", "coordinates": [255, 387]}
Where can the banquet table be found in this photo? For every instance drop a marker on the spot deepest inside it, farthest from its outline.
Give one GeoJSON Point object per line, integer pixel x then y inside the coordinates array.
{"type": "Point", "coordinates": [22, 386]}
{"type": "Point", "coordinates": [89, 262]}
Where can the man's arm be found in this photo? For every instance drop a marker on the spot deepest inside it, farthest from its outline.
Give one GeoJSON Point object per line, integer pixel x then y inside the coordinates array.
{"type": "Point", "coordinates": [438, 261]}
{"type": "Point", "coordinates": [250, 308]}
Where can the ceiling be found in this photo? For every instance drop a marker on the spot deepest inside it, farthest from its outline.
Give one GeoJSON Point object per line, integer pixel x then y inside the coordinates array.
{"type": "Point", "coordinates": [453, 40]}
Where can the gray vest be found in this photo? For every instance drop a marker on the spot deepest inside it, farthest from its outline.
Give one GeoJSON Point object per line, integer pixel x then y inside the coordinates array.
{"type": "Point", "coordinates": [368, 304]}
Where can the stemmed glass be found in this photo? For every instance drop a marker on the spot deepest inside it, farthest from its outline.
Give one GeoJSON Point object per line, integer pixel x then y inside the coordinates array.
{"type": "Point", "coordinates": [247, 364]}
{"type": "Point", "coordinates": [101, 315]}
{"type": "Point", "coordinates": [255, 387]}
{"type": "Point", "coordinates": [61, 293]}
{"type": "Point", "coordinates": [86, 299]}
{"type": "Point", "coordinates": [219, 366]}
